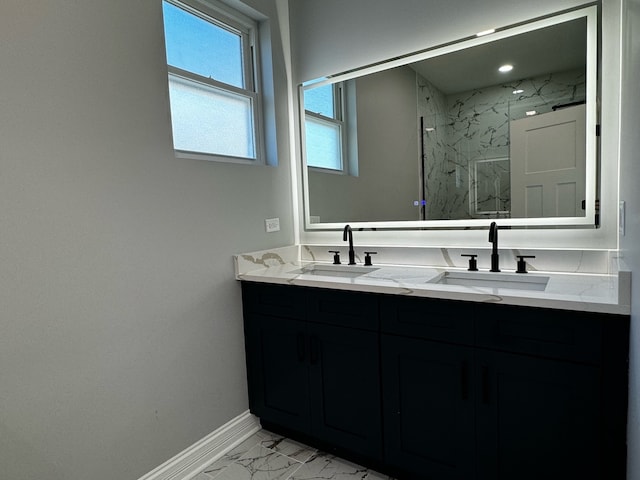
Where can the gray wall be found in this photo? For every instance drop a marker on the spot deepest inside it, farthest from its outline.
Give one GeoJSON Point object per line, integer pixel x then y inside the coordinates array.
{"type": "Point", "coordinates": [629, 192]}
{"type": "Point", "coordinates": [120, 321]}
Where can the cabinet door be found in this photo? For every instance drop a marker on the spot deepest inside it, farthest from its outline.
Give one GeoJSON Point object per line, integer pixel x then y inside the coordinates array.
{"type": "Point", "coordinates": [277, 354]}
{"type": "Point", "coordinates": [345, 388]}
{"type": "Point", "coordinates": [428, 408]}
{"type": "Point", "coordinates": [537, 418]}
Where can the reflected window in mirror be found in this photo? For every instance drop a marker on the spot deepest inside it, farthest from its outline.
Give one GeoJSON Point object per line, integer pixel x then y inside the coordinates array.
{"type": "Point", "coordinates": [328, 122]}
{"type": "Point", "coordinates": [324, 127]}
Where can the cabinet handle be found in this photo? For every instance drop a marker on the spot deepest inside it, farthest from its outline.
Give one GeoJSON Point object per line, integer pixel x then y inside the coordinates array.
{"type": "Point", "coordinates": [301, 349]}
{"type": "Point", "coordinates": [313, 353]}
{"type": "Point", "coordinates": [485, 385]}
{"type": "Point", "coordinates": [464, 380]}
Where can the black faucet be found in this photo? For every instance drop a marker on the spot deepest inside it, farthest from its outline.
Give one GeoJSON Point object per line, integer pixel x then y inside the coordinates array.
{"type": "Point", "coordinates": [352, 254]}
{"type": "Point", "coordinates": [493, 238]}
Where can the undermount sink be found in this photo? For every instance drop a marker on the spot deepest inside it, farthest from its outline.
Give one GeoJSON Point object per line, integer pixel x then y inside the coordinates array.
{"type": "Point", "coordinates": [513, 281]}
{"type": "Point", "coordinates": [348, 271]}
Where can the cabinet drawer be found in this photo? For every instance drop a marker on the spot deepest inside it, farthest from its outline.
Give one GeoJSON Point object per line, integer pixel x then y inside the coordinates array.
{"type": "Point", "coordinates": [428, 318]}
{"type": "Point", "coordinates": [277, 300]}
{"type": "Point", "coordinates": [560, 334]}
{"type": "Point", "coordinates": [344, 308]}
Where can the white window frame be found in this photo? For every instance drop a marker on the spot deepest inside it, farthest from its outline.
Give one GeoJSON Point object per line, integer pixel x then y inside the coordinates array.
{"type": "Point", "coordinates": [236, 22]}
{"type": "Point", "coordinates": [338, 94]}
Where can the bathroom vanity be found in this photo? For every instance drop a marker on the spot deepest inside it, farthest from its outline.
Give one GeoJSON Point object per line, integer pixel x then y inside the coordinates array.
{"type": "Point", "coordinates": [421, 386]}
{"type": "Point", "coordinates": [415, 366]}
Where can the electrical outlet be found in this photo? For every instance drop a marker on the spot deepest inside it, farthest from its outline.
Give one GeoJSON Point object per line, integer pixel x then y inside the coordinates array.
{"type": "Point", "coordinates": [272, 224]}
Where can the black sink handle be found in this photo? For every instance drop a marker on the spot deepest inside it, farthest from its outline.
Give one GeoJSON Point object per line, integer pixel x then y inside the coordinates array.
{"type": "Point", "coordinates": [367, 258]}
{"type": "Point", "coordinates": [522, 263]}
{"type": "Point", "coordinates": [473, 263]}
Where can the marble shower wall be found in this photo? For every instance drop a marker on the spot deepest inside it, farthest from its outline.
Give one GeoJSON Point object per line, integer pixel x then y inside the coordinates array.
{"type": "Point", "coordinates": [472, 129]}
{"type": "Point", "coordinates": [432, 107]}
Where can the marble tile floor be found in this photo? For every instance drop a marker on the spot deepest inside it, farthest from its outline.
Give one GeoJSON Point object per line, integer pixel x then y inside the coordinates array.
{"type": "Point", "coordinates": [267, 456]}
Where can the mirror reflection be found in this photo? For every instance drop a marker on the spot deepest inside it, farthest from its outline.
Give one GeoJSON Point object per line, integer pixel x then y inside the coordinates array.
{"type": "Point", "coordinates": [497, 130]}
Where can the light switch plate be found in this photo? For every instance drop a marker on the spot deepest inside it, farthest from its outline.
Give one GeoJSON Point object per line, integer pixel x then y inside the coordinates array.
{"type": "Point", "coordinates": [621, 218]}
{"type": "Point", "coordinates": [272, 224]}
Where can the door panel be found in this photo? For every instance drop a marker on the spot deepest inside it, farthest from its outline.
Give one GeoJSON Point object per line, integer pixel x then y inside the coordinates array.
{"type": "Point", "coordinates": [278, 372]}
{"type": "Point", "coordinates": [428, 408]}
{"type": "Point", "coordinates": [345, 388]}
{"type": "Point", "coordinates": [537, 418]}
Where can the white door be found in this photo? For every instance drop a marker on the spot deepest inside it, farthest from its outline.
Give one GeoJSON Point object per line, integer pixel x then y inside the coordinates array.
{"type": "Point", "coordinates": [548, 164]}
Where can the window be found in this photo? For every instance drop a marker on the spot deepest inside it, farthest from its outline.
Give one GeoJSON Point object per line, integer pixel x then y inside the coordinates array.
{"type": "Point", "coordinates": [211, 57]}
{"type": "Point", "coordinates": [324, 127]}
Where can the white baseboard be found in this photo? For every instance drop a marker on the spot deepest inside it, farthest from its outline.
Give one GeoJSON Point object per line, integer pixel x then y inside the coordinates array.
{"type": "Point", "coordinates": [191, 461]}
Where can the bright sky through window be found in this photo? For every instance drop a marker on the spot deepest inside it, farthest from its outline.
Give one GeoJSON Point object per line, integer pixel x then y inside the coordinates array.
{"type": "Point", "coordinates": [320, 100]}
{"type": "Point", "coordinates": [201, 47]}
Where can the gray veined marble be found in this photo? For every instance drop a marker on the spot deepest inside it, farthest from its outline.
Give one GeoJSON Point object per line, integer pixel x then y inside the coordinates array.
{"type": "Point", "coordinates": [309, 251]}
{"type": "Point", "coordinates": [265, 439]}
{"type": "Point", "coordinates": [578, 280]}
{"type": "Point", "coordinates": [565, 261]}
{"type": "Point", "coordinates": [466, 140]}
{"type": "Point", "coordinates": [260, 463]}
{"type": "Point", "coordinates": [267, 456]}
{"type": "Point", "coordinates": [329, 467]}
{"type": "Point", "coordinates": [266, 258]}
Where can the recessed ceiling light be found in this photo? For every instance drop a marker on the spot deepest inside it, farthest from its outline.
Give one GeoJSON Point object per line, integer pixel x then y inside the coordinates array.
{"type": "Point", "coordinates": [531, 113]}
{"type": "Point", "coordinates": [486, 32]}
{"type": "Point", "coordinates": [505, 68]}
{"type": "Point", "coordinates": [519, 90]}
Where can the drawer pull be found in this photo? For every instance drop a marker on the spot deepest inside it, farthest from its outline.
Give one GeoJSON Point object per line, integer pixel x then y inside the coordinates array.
{"type": "Point", "coordinates": [485, 385]}
{"type": "Point", "coordinates": [313, 354]}
{"type": "Point", "coordinates": [301, 349]}
{"type": "Point", "coordinates": [464, 380]}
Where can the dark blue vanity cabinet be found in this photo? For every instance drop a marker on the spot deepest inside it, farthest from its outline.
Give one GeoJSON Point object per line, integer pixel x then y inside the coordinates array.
{"type": "Point", "coordinates": [436, 389]}
{"type": "Point", "coordinates": [313, 365]}
{"type": "Point", "coordinates": [499, 392]}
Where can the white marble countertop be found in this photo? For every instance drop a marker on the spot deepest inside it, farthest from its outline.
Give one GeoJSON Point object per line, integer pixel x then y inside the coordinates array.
{"type": "Point", "coordinates": [605, 293]}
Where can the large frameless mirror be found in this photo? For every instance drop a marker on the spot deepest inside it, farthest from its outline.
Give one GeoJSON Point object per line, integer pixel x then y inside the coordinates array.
{"type": "Point", "coordinates": [501, 125]}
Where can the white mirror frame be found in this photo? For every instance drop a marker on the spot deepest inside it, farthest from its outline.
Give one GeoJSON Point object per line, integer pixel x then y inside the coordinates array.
{"type": "Point", "coordinates": [588, 220]}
